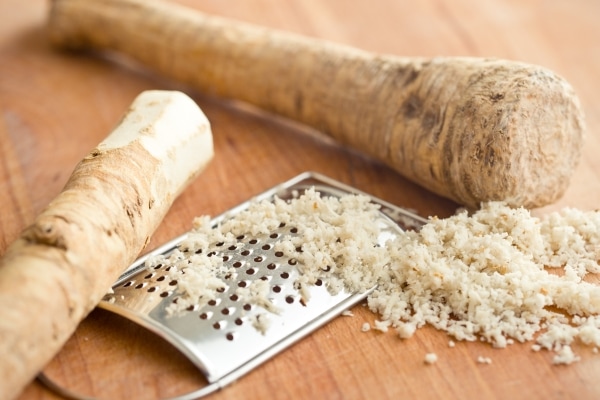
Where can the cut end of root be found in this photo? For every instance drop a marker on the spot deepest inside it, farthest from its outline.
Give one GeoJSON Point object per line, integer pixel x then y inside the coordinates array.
{"type": "Point", "coordinates": [515, 135]}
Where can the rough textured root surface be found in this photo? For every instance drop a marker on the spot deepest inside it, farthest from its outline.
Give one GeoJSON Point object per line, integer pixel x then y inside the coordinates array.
{"type": "Point", "coordinates": [497, 130]}
{"type": "Point", "coordinates": [55, 273]}
{"type": "Point", "coordinates": [471, 130]}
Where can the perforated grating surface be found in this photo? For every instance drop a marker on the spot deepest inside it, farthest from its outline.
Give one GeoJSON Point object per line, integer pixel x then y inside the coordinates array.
{"type": "Point", "coordinates": [252, 259]}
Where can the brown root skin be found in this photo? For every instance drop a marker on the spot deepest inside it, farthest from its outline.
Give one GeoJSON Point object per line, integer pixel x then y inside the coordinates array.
{"type": "Point", "coordinates": [61, 266]}
{"type": "Point", "coordinates": [62, 245]}
{"type": "Point", "coordinates": [44, 233]}
{"type": "Point", "coordinates": [502, 131]}
{"type": "Point", "coordinates": [472, 130]}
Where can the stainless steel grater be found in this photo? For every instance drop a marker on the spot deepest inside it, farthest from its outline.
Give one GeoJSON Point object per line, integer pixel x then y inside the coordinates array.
{"type": "Point", "coordinates": [219, 338]}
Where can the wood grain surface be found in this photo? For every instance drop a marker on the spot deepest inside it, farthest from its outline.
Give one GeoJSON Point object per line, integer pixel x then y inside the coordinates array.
{"type": "Point", "coordinates": [55, 107]}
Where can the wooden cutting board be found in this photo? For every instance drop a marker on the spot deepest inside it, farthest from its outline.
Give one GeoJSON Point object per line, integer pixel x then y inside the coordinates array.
{"type": "Point", "coordinates": [55, 107]}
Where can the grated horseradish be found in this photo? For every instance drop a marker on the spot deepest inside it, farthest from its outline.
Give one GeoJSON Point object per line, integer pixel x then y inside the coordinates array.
{"type": "Point", "coordinates": [498, 275]}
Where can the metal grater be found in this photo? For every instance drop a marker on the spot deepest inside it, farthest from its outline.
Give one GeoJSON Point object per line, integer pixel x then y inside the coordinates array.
{"type": "Point", "coordinates": [220, 338]}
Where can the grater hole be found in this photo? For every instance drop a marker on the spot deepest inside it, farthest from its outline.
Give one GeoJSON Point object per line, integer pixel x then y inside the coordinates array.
{"type": "Point", "coordinates": [237, 264]}
{"type": "Point", "coordinates": [247, 307]}
{"type": "Point", "coordinates": [206, 315]}
{"type": "Point", "coordinates": [139, 286]}
{"type": "Point", "coordinates": [218, 325]}
{"type": "Point", "coordinates": [212, 253]}
{"type": "Point", "coordinates": [149, 276]}
{"type": "Point", "coordinates": [285, 275]}
{"type": "Point", "coordinates": [128, 284]}
{"type": "Point", "coordinates": [152, 289]}
{"type": "Point", "coordinates": [226, 311]}
{"type": "Point", "coordinates": [219, 244]}
{"type": "Point", "coordinates": [289, 299]}
{"type": "Point", "coordinates": [294, 230]}
{"type": "Point", "coordinates": [281, 225]}
{"type": "Point", "coordinates": [319, 282]}
{"type": "Point", "coordinates": [239, 321]}
{"type": "Point", "coordinates": [159, 266]}
{"type": "Point", "coordinates": [173, 283]}
{"type": "Point", "coordinates": [279, 254]}
{"type": "Point", "coordinates": [212, 302]}
{"type": "Point", "coordinates": [299, 249]}
{"type": "Point", "coordinates": [242, 284]}
{"type": "Point", "coordinates": [277, 289]}
{"type": "Point", "coordinates": [164, 294]}
{"type": "Point", "coordinates": [265, 278]}
{"type": "Point", "coordinates": [258, 259]}
{"type": "Point", "coordinates": [266, 247]}
{"type": "Point", "coordinates": [230, 336]}
{"type": "Point", "coordinates": [161, 278]}
{"type": "Point", "coordinates": [253, 241]}
{"type": "Point", "coordinates": [199, 251]}
{"type": "Point", "coordinates": [246, 252]}
{"type": "Point", "coordinates": [220, 290]}
{"type": "Point", "coordinates": [274, 235]}
{"type": "Point", "coordinates": [191, 308]}
{"type": "Point", "coordinates": [168, 268]}
{"type": "Point", "coordinates": [234, 297]}
{"type": "Point", "coordinates": [232, 247]}
{"type": "Point", "coordinates": [272, 266]}
{"type": "Point", "coordinates": [226, 258]}
{"type": "Point", "coordinates": [241, 237]}
{"type": "Point", "coordinates": [250, 271]}
{"type": "Point", "coordinates": [292, 261]}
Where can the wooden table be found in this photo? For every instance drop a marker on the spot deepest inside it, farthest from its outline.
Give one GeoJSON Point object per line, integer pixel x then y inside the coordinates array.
{"type": "Point", "coordinates": [54, 108]}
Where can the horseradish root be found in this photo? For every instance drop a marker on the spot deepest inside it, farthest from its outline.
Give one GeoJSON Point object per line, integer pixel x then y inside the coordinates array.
{"type": "Point", "coordinates": [56, 272]}
{"type": "Point", "coordinates": [468, 129]}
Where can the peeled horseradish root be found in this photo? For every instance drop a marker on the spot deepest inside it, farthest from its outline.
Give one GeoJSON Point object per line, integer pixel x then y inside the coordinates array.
{"type": "Point", "coordinates": [59, 268]}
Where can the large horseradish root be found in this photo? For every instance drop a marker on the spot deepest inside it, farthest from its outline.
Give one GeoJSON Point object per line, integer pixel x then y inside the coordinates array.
{"type": "Point", "coordinates": [469, 129]}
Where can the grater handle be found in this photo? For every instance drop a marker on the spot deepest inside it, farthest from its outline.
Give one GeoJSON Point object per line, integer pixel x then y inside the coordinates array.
{"type": "Point", "coordinates": [71, 395]}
